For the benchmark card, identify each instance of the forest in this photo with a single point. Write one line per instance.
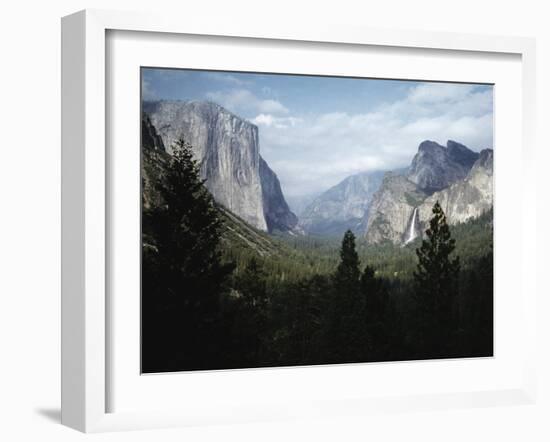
(216, 294)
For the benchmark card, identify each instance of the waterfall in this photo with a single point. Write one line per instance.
(412, 229)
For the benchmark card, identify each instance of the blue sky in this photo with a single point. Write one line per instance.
(316, 131)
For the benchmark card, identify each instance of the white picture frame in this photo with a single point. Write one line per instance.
(85, 202)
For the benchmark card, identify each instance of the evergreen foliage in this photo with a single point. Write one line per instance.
(436, 286)
(346, 335)
(217, 293)
(183, 274)
(347, 272)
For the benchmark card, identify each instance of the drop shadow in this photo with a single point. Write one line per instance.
(51, 414)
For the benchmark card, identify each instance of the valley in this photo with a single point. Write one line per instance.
(377, 205)
(233, 278)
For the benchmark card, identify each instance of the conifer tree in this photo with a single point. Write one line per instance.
(436, 286)
(347, 335)
(183, 274)
(348, 273)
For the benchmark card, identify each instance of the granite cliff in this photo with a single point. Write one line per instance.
(467, 198)
(460, 179)
(435, 167)
(278, 215)
(392, 209)
(227, 148)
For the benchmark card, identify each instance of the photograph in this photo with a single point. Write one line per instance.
(301, 220)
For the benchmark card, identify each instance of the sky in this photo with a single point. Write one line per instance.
(316, 131)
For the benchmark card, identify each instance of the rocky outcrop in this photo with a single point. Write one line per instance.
(342, 207)
(402, 207)
(227, 148)
(467, 198)
(436, 167)
(150, 139)
(278, 215)
(153, 160)
(461, 154)
(392, 209)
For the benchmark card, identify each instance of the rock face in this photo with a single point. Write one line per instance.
(392, 209)
(467, 198)
(342, 207)
(461, 154)
(153, 160)
(150, 139)
(435, 167)
(277, 214)
(227, 148)
(402, 207)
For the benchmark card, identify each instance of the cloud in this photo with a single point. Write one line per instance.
(312, 153)
(147, 91)
(430, 93)
(243, 101)
(278, 122)
(226, 79)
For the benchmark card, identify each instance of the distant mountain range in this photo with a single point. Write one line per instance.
(392, 206)
(341, 207)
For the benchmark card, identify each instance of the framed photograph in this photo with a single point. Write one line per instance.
(270, 223)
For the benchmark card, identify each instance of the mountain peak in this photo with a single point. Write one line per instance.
(435, 167)
(460, 179)
(461, 154)
(486, 156)
(429, 146)
(484, 162)
(210, 106)
(204, 107)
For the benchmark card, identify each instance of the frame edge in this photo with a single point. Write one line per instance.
(83, 185)
(73, 80)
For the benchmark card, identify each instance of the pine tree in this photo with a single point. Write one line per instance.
(436, 287)
(183, 274)
(348, 273)
(347, 335)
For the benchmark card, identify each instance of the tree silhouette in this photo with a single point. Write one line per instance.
(436, 287)
(347, 336)
(182, 272)
(348, 273)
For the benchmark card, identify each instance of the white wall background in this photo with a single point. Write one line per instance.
(30, 216)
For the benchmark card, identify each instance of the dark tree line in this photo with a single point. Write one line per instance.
(183, 277)
(203, 311)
